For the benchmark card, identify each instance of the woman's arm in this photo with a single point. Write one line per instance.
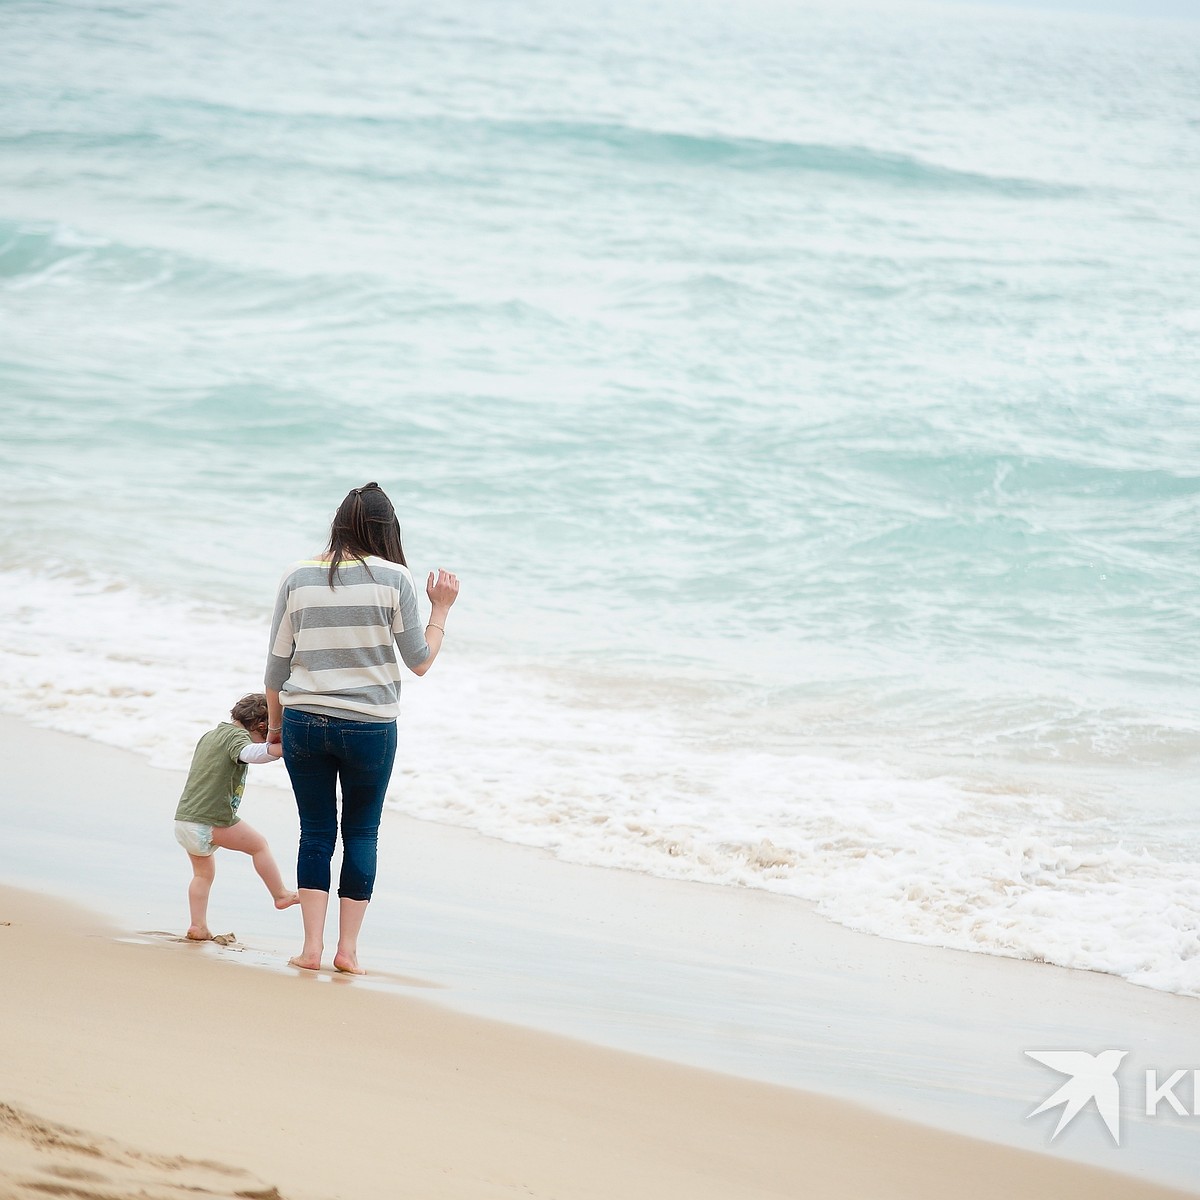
(279, 663)
(442, 591)
(274, 715)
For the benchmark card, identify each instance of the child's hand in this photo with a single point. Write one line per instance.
(275, 749)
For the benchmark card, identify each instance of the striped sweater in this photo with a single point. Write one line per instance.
(333, 650)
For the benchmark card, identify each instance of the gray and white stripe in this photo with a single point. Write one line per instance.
(333, 650)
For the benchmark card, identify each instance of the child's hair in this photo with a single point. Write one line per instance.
(251, 711)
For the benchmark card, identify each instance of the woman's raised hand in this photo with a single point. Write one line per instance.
(442, 588)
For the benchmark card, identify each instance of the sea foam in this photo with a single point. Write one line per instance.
(651, 782)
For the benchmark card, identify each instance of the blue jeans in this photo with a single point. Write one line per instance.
(318, 751)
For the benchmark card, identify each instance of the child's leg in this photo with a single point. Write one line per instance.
(203, 872)
(250, 841)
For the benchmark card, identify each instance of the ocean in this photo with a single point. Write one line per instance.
(805, 393)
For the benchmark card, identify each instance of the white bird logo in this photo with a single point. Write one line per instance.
(1093, 1077)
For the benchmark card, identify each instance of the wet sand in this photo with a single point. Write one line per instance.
(153, 1068)
(798, 1047)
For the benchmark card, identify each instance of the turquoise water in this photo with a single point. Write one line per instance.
(806, 395)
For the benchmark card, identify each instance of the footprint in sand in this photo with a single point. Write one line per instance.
(228, 940)
(42, 1158)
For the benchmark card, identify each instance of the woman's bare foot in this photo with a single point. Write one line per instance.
(287, 899)
(347, 964)
(307, 962)
(199, 933)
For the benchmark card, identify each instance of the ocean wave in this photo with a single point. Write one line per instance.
(32, 254)
(1105, 466)
(651, 779)
(201, 134)
(756, 154)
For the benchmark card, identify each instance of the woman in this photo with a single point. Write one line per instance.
(333, 689)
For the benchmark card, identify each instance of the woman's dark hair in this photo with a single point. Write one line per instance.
(365, 523)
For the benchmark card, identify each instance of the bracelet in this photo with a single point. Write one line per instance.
(435, 625)
(274, 728)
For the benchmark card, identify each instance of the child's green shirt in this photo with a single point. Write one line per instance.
(217, 778)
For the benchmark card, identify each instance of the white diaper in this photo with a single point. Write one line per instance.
(195, 839)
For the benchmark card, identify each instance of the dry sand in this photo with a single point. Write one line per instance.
(154, 1069)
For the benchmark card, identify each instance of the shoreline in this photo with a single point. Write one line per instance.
(708, 979)
(175, 1068)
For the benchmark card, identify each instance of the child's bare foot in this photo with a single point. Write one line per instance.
(287, 899)
(308, 962)
(199, 933)
(347, 964)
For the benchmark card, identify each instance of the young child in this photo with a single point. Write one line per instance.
(207, 814)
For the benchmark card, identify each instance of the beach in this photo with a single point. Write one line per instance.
(172, 1067)
(805, 395)
(134, 1060)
